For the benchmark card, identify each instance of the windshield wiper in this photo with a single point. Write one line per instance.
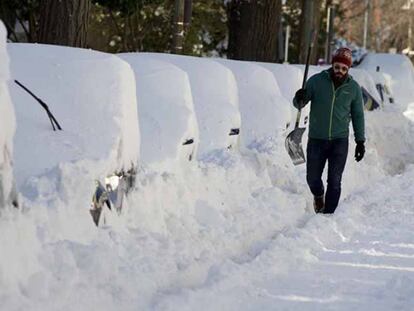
(52, 119)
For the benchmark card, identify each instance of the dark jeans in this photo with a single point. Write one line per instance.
(318, 152)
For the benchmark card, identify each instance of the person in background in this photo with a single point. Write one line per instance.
(336, 99)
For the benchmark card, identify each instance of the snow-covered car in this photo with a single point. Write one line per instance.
(289, 79)
(7, 128)
(168, 124)
(215, 98)
(370, 94)
(399, 68)
(264, 111)
(382, 82)
(91, 96)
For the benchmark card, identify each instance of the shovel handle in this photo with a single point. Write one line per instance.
(305, 75)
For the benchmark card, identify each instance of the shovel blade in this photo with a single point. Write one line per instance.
(293, 144)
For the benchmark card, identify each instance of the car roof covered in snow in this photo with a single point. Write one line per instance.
(92, 96)
(365, 79)
(288, 77)
(215, 97)
(263, 109)
(166, 112)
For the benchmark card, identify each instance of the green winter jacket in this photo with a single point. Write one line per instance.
(331, 110)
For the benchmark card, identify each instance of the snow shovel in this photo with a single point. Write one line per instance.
(293, 142)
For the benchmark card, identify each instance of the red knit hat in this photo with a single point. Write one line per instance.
(343, 56)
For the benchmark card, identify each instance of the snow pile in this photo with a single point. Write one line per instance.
(18, 241)
(264, 111)
(401, 70)
(215, 98)
(4, 64)
(92, 96)
(166, 113)
(7, 125)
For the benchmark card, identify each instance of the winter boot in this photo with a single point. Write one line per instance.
(318, 204)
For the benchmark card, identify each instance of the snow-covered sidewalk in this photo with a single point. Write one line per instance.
(261, 251)
(361, 258)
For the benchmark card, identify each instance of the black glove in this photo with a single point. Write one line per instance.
(359, 151)
(300, 97)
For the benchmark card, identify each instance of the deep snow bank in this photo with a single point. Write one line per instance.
(7, 125)
(92, 95)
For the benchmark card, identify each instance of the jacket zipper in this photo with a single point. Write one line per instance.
(332, 107)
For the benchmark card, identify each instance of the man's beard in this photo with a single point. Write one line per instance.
(339, 77)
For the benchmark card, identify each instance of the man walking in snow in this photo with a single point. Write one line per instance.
(336, 99)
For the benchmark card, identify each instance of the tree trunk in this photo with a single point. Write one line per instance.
(306, 25)
(317, 28)
(64, 22)
(309, 20)
(178, 36)
(253, 29)
(8, 16)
